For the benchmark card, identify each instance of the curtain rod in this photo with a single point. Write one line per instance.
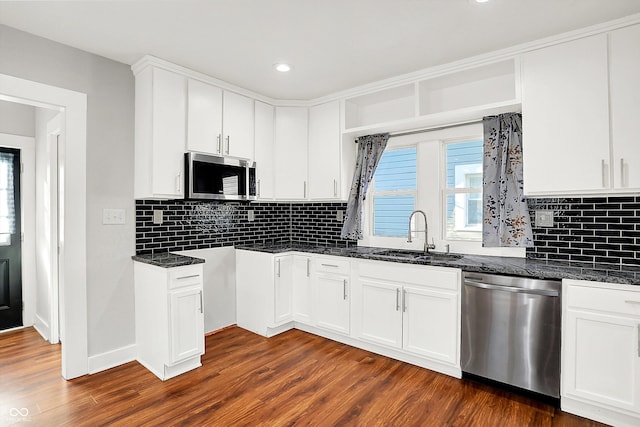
(413, 132)
(434, 128)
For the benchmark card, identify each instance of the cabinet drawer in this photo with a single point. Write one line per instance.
(332, 265)
(188, 275)
(603, 299)
(433, 277)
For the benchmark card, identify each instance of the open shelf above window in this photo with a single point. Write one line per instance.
(478, 86)
(383, 106)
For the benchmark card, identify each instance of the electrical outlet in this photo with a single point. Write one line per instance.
(158, 216)
(113, 216)
(544, 218)
(250, 216)
(339, 216)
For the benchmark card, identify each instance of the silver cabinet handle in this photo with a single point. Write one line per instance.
(329, 265)
(622, 172)
(604, 176)
(219, 143)
(305, 190)
(308, 267)
(278, 268)
(178, 181)
(513, 289)
(397, 299)
(228, 144)
(258, 189)
(201, 303)
(344, 289)
(187, 277)
(404, 300)
(629, 301)
(335, 188)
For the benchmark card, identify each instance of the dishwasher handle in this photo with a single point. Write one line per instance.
(514, 289)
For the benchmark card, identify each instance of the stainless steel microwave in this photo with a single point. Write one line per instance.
(219, 178)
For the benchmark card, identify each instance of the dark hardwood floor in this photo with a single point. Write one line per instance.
(292, 379)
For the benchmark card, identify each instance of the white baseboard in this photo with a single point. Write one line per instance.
(42, 327)
(111, 359)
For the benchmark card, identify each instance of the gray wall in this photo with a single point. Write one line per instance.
(17, 119)
(109, 86)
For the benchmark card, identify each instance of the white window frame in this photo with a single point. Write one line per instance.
(431, 168)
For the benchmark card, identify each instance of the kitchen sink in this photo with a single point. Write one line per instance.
(442, 256)
(415, 255)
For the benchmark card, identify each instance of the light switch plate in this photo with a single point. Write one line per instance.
(544, 218)
(113, 216)
(158, 216)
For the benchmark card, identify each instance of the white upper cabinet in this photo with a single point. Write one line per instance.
(237, 125)
(580, 102)
(204, 118)
(290, 153)
(624, 69)
(219, 122)
(324, 151)
(264, 145)
(160, 128)
(565, 110)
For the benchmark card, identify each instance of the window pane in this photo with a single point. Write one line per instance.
(396, 170)
(391, 215)
(464, 216)
(464, 164)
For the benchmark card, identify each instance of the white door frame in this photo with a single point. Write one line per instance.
(73, 262)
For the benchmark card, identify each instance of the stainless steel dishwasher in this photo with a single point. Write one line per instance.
(511, 331)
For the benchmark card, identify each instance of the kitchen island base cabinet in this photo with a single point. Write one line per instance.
(169, 318)
(601, 353)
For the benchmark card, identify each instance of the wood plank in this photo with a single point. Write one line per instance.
(293, 378)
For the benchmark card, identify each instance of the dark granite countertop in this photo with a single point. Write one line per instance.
(167, 260)
(482, 264)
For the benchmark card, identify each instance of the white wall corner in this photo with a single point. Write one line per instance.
(111, 359)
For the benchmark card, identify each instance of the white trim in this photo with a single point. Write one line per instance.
(41, 326)
(111, 359)
(74, 259)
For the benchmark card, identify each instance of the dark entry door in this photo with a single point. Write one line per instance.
(10, 240)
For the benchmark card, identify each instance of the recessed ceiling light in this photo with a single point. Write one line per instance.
(282, 67)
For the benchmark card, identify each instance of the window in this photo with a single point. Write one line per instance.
(463, 190)
(393, 192)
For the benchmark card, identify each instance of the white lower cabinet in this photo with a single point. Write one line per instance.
(169, 318)
(407, 307)
(330, 292)
(601, 352)
(407, 312)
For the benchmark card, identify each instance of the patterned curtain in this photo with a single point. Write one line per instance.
(7, 204)
(506, 219)
(370, 149)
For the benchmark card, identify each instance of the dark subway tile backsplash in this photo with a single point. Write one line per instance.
(199, 225)
(588, 229)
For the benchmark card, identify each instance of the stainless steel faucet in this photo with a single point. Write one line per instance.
(427, 245)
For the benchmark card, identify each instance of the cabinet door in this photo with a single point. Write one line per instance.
(169, 124)
(302, 289)
(324, 151)
(283, 290)
(186, 324)
(204, 118)
(291, 153)
(331, 302)
(237, 124)
(565, 113)
(430, 323)
(601, 359)
(264, 141)
(378, 312)
(624, 69)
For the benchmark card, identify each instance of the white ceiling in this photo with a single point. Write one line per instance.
(333, 44)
